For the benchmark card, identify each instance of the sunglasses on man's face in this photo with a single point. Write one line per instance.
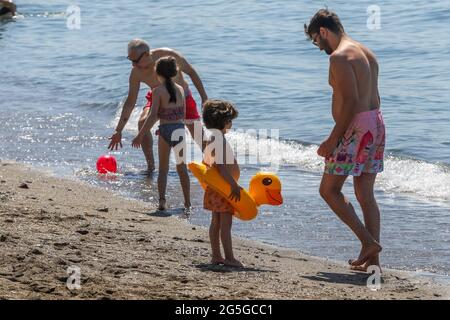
(138, 59)
(314, 41)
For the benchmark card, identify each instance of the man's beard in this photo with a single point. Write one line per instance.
(326, 46)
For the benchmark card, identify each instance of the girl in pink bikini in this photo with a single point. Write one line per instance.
(169, 107)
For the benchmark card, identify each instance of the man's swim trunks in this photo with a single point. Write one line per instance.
(361, 150)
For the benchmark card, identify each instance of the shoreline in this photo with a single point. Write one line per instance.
(126, 251)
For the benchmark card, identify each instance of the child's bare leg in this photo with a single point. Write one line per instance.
(226, 221)
(214, 238)
(164, 154)
(183, 174)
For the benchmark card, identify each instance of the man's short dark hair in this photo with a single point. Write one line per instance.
(326, 19)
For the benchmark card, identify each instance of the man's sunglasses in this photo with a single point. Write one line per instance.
(138, 59)
(314, 41)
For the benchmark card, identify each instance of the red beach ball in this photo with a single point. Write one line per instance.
(106, 164)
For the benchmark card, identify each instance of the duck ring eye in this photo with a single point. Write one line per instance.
(267, 181)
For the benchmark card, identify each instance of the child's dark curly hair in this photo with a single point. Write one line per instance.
(216, 113)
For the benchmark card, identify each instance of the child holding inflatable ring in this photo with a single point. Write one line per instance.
(217, 117)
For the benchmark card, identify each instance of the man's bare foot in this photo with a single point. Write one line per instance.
(233, 263)
(187, 211)
(371, 262)
(217, 261)
(162, 204)
(364, 267)
(367, 252)
(150, 168)
(374, 261)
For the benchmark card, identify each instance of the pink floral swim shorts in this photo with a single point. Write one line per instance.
(361, 150)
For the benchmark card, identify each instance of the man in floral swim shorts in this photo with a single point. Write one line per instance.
(356, 144)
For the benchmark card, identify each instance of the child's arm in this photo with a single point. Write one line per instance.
(226, 170)
(235, 187)
(151, 119)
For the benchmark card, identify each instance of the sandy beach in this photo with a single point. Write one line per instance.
(125, 250)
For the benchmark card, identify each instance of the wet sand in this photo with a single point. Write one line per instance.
(124, 249)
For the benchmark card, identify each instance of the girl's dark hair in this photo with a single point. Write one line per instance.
(167, 68)
(216, 113)
(326, 19)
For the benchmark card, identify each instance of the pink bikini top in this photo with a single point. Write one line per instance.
(171, 114)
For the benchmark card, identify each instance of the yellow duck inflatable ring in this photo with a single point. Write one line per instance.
(265, 188)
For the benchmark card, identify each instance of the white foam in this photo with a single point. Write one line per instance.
(412, 176)
(132, 122)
